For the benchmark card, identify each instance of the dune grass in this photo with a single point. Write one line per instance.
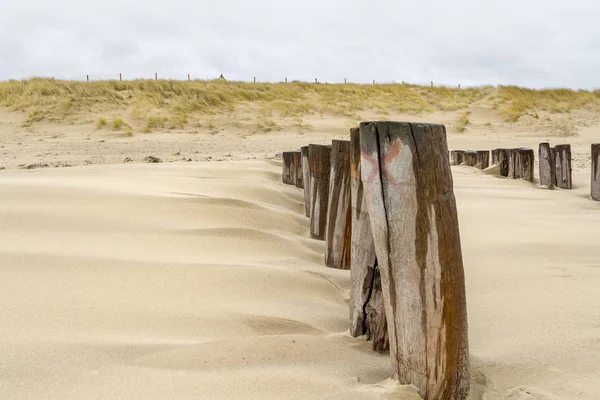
(172, 104)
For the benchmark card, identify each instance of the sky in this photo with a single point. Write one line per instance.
(531, 43)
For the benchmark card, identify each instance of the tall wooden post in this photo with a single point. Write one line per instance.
(562, 154)
(456, 157)
(306, 179)
(595, 187)
(483, 159)
(367, 312)
(412, 209)
(547, 167)
(339, 226)
(299, 181)
(288, 160)
(319, 158)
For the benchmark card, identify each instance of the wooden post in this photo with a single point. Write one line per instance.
(367, 312)
(319, 158)
(344, 80)
(547, 167)
(306, 179)
(595, 187)
(286, 80)
(373, 81)
(562, 154)
(87, 78)
(470, 158)
(412, 209)
(459, 85)
(483, 159)
(339, 228)
(156, 76)
(501, 157)
(299, 181)
(431, 83)
(316, 81)
(523, 163)
(254, 79)
(288, 160)
(120, 76)
(189, 78)
(457, 157)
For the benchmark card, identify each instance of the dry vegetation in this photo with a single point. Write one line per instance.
(154, 105)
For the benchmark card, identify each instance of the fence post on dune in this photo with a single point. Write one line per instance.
(457, 157)
(483, 159)
(412, 209)
(470, 158)
(547, 168)
(562, 154)
(595, 178)
(120, 76)
(156, 76)
(319, 158)
(87, 78)
(306, 179)
(367, 312)
(298, 174)
(338, 231)
(189, 78)
(288, 159)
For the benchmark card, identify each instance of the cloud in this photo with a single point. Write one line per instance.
(526, 42)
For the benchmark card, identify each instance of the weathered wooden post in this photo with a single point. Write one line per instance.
(501, 157)
(339, 224)
(306, 179)
(288, 160)
(367, 312)
(189, 78)
(595, 187)
(412, 209)
(547, 167)
(299, 179)
(156, 76)
(87, 78)
(524, 160)
(457, 157)
(483, 159)
(470, 158)
(120, 76)
(562, 154)
(319, 158)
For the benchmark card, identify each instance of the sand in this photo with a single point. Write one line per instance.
(197, 280)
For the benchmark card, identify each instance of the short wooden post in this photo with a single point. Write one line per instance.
(285, 80)
(344, 80)
(470, 158)
(120, 76)
(156, 76)
(595, 187)
(483, 159)
(319, 158)
(189, 78)
(412, 209)
(456, 157)
(288, 160)
(339, 227)
(523, 164)
(459, 85)
(373, 81)
(306, 179)
(547, 167)
(501, 158)
(254, 79)
(562, 154)
(431, 83)
(87, 78)
(298, 174)
(316, 81)
(367, 312)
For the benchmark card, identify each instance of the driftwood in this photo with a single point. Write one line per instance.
(339, 226)
(412, 209)
(299, 181)
(523, 164)
(319, 158)
(562, 160)
(470, 158)
(501, 158)
(306, 179)
(288, 160)
(547, 167)
(367, 312)
(456, 157)
(595, 188)
(483, 159)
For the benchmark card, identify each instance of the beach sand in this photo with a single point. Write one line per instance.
(198, 280)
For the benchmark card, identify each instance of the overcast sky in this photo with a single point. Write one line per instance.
(539, 43)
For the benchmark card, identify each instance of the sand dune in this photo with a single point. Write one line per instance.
(198, 280)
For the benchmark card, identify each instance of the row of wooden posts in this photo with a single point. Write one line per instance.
(384, 204)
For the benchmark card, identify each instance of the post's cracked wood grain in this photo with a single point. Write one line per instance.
(547, 167)
(411, 205)
(562, 159)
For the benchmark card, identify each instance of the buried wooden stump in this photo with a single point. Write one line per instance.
(547, 167)
(339, 227)
(288, 159)
(367, 311)
(319, 158)
(299, 181)
(483, 159)
(595, 187)
(562, 160)
(306, 179)
(524, 160)
(501, 158)
(456, 157)
(470, 158)
(412, 209)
